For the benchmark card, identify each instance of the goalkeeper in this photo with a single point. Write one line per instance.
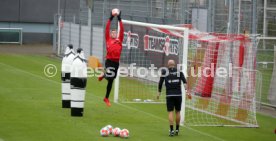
(172, 80)
(113, 49)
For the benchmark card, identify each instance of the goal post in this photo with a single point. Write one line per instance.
(184, 70)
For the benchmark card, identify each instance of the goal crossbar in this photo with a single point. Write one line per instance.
(155, 25)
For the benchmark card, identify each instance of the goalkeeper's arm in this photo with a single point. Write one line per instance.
(121, 32)
(107, 28)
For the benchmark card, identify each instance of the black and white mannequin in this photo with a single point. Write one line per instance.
(78, 83)
(67, 61)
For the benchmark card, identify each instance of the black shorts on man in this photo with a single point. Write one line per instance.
(111, 69)
(174, 102)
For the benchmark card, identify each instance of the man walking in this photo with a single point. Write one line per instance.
(172, 80)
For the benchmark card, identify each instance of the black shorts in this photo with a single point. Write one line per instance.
(111, 69)
(174, 102)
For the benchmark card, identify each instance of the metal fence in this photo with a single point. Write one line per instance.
(86, 28)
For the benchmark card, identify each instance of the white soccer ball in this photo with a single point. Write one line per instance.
(115, 12)
(104, 132)
(116, 132)
(109, 127)
(124, 133)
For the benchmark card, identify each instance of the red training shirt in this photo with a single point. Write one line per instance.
(114, 46)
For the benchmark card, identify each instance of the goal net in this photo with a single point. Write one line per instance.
(219, 68)
(223, 81)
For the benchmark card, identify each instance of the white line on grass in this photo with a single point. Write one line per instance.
(129, 107)
(26, 72)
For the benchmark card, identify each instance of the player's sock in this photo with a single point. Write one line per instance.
(177, 127)
(176, 130)
(171, 127)
(171, 133)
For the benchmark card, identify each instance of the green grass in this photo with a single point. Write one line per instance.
(30, 110)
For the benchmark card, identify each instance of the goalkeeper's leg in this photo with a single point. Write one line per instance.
(110, 75)
(108, 88)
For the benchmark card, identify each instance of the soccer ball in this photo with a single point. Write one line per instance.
(104, 132)
(115, 12)
(124, 133)
(116, 132)
(109, 127)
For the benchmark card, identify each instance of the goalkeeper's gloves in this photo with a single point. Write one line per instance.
(111, 16)
(119, 16)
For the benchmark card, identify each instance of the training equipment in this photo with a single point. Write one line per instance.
(78, 83)
(66, 65)
(116, 132)
(104, 132)
(124, 133)
(115, 11)
(109, 127)
(225, 92)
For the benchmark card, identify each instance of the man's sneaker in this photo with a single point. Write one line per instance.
(176, 132)
(106, 100)
(171, 133)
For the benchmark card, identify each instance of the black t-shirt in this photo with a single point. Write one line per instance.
(172, 81)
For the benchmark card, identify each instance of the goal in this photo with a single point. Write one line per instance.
(147, 46)
(220, 70)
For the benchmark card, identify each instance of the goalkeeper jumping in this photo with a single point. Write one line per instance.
(113, 49)
(173, 93)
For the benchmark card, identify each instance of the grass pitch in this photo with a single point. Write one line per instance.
(30, 110)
